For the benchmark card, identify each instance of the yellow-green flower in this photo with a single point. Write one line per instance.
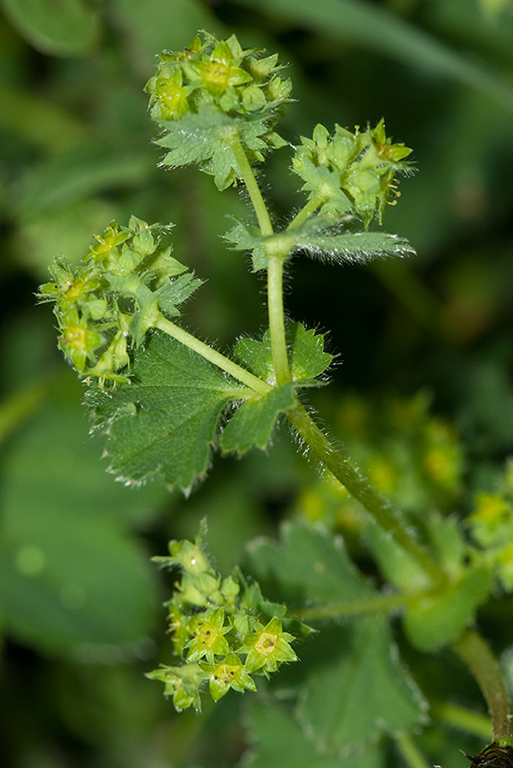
(267, 648)
(77, 340)
(229, 673)
(208, 636)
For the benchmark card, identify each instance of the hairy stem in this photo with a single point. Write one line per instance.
(275, 267)
(277, 318)
(341, 467)
(473, 649)
(309, 207)
(248, 177)
(241, 374)
(378, 604)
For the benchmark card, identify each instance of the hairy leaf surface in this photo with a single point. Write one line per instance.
(166, 421)
(337, 241)
(253, 422)
(204, 138)
(306, 354)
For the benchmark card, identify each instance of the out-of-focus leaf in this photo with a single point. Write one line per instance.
(279, 741)
(38, 120)
(437, 620)
(373, 27)
(83, 171)
(41, 239)
(309, 567)
(360, 692)
(156, 25)
(70, 573)
(56, 27)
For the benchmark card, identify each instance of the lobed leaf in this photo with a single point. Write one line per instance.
(205, 137)
(306, 354)
(253, 422)
(321, 237)
(164, 423)
(311, 568)
(308, 567)
(361, 689)
(279, 741)
(439, 619)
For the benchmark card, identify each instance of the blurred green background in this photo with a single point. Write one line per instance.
(80, 603)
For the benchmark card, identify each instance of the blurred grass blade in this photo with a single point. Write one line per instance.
(370, 26)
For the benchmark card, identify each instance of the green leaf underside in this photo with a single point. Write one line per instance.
(440, 619)
(321, 238)
(50, 596)
(309, 566)
(306, 353)
(253, 422)
(204, 138)
(166, 421)
(377, 695)
(280, 742)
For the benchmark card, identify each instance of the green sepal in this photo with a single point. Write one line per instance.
(229, 673)
(307, 357)
(253, 422)
(166, 421)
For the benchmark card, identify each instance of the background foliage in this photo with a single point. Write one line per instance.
(424, 347)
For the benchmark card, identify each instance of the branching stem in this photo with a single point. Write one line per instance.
(241, 374)
(276, 258)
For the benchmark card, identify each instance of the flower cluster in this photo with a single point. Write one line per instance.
(218, 74)
(214, 98)
(350, 171)
(491, 526)
(120, 289)
(223, 630)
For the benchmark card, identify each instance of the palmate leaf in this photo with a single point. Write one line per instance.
(322, 238)
(253, 422)
(204, 138)
(355, 686)
(165, 422)
(279, 741)
(306, 354)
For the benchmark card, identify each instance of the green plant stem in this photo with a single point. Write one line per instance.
(409, 751)
(473, 649)
(248, 177)
(309, 207)
(341, 467)
(276, 312)
(378, 604)
(276, 258)
(462, 718)
(257, 385)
